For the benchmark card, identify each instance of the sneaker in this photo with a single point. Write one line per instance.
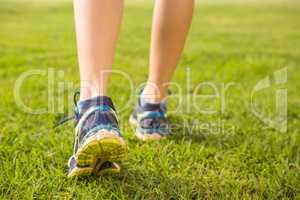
(150, 121)
(97, 137)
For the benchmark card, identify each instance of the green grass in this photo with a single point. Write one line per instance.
(246, 159)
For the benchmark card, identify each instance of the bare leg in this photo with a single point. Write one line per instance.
(172, 19)
(97, 27)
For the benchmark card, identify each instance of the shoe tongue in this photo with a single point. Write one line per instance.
(84, 105)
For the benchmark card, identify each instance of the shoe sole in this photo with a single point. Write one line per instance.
(88, 171)
(101, 147)
(144, 136)
(109, 170)
(81, 172)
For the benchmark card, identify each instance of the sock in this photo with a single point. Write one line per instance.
(144, 101)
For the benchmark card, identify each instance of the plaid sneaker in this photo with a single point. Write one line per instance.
(97, 138)
(150, 121)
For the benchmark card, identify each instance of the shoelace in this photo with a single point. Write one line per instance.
(68, 118)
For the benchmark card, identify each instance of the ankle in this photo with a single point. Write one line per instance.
(86, 93)
(154, 93)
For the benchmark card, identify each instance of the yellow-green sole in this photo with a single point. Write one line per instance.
(88, 171)
(102, 146)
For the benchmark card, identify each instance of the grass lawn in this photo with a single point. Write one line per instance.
(227, 153)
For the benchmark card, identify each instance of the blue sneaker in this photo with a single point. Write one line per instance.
(98, 140)
(150, 121)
